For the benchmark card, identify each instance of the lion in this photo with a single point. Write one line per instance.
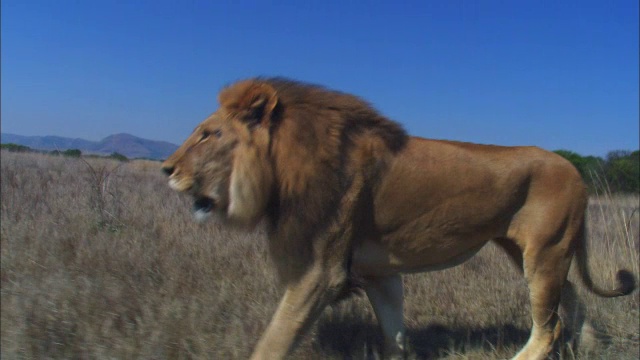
(346, 193)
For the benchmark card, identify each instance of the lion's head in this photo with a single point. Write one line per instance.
(222, 163)
(278, 146)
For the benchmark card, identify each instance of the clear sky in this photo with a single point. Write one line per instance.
(557, 74)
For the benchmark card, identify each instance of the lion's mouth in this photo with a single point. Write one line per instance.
(202, 207)
(203, 204)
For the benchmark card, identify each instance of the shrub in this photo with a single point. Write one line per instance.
(72, 153)
(118, 156)
(619, 172)
(15, 147)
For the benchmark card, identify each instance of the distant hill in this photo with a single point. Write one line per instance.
(125, 144)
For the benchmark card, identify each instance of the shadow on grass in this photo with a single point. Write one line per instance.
(350, 338)
(437, 339)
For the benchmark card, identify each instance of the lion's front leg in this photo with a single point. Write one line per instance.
(386, 297)
(301, 304)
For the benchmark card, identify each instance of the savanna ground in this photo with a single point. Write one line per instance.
(101, 259)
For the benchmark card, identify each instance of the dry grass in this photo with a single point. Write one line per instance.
(102, 260)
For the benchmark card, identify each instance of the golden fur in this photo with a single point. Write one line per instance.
(346, 193)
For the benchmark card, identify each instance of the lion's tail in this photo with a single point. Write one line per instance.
(626, 282)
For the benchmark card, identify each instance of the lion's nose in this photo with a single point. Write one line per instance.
(168, 169)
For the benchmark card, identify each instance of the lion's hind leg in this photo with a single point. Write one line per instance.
(544, 293)
(546, 258)
(573, 310)
(576, 326)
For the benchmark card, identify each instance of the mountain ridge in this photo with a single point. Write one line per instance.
(128, 145)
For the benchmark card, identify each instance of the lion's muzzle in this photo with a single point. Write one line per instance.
(168, 169)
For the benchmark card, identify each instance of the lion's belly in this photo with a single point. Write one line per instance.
(372, 258)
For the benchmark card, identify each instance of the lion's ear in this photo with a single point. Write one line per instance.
(254, 102)
(263, 102)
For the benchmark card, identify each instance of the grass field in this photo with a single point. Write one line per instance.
(101, 259)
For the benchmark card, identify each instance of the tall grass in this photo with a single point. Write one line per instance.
(100, 259)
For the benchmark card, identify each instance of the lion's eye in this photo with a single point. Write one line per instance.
(206, 134)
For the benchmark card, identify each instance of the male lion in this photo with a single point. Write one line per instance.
(346, 194)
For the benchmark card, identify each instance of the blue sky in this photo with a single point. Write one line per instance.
(557, 74)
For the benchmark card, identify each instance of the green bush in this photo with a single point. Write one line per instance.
(619, 172)
(622, 170)
(72, 153)
(118, 156)
(15, 147)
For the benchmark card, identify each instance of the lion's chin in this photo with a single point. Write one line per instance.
(201, 216)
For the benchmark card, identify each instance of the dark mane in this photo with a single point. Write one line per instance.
(357, 114)
(321, 143)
